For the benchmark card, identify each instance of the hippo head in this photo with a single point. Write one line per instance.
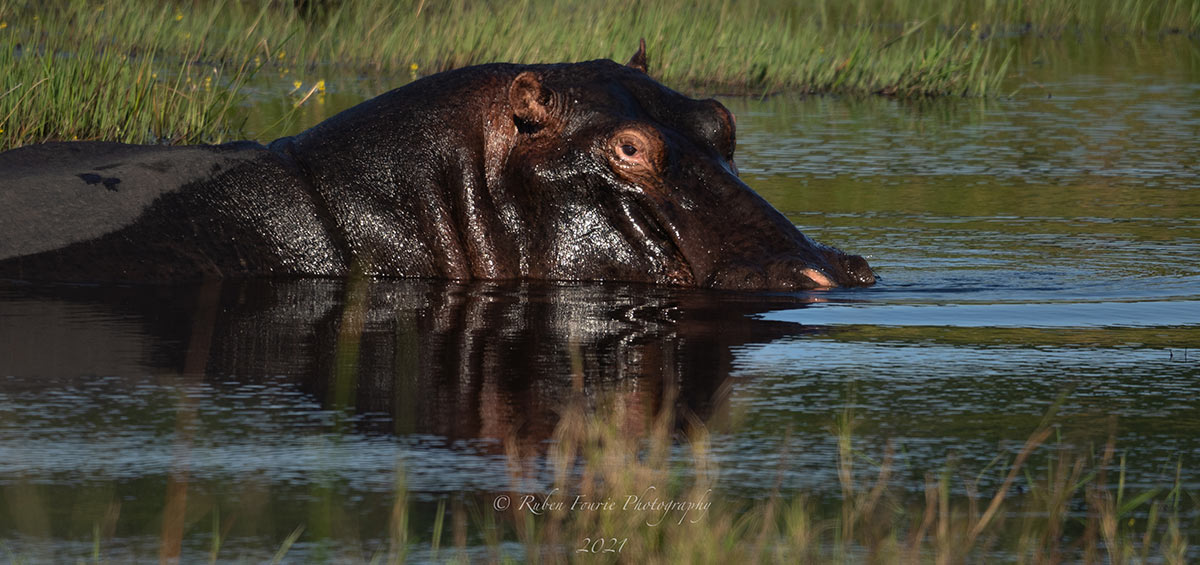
(633, 181)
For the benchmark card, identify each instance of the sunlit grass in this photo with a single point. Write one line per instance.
(755, 46)
(57, 87)
(171, 72)
(825, 45)
(1044, 17)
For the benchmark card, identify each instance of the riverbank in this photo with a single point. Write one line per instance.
(172, 72)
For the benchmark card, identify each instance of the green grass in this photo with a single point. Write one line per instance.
(140, 71)
(58, 87)
(1043, 17)
(752, 45)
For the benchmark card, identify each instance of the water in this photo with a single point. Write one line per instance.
(1035, 254)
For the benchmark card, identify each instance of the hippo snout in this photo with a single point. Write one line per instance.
(850, 270)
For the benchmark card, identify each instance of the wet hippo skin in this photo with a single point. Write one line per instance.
(584, 172)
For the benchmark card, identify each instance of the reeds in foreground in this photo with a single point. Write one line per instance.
(625, 485)
(1045, 505)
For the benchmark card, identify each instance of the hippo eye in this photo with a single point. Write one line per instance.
(636, 148)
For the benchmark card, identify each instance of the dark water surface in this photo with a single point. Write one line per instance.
(1032, 252)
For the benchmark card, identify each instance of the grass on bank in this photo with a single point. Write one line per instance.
(770, 44)
(63, 88)
(1038, 18)
(147, 71)
(757, 45)
(143, 71)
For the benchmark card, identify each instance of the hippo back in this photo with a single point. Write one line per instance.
(56, 194)
(111, 211)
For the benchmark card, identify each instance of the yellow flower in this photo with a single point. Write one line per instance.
(974, 26)
(178, 16)
(1, 130)
(296, 85)
(281, 54)
(3, 25)
(321, 86)
(413, 67)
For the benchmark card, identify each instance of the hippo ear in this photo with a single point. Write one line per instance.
(530, 102)
(638, 60)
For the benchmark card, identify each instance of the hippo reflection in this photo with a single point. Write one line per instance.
(574, 172)
(455, 360)
(485, 360)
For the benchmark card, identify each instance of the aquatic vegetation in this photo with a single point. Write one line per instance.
(1041, 502)
(625, 483)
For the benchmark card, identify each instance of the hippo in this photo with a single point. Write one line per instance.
(589, 171)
